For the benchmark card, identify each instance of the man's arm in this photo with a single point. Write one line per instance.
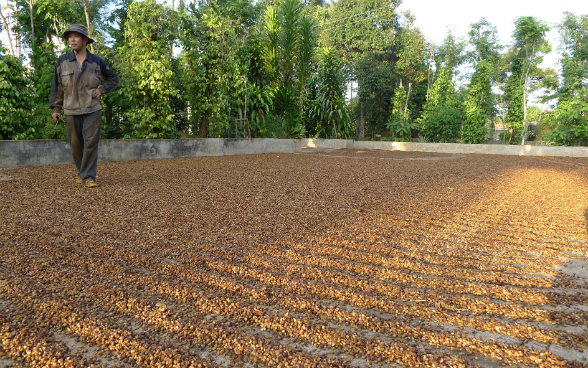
(111, 78)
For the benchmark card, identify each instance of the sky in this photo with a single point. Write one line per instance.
(433, 17)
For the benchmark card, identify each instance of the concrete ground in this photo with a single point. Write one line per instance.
(322, 258)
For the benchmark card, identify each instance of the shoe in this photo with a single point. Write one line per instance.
(90, 184)
(79, 180)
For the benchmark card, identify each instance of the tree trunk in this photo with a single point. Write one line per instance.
(32, 23)
(361, 128)
(240, 119)
(171, 45)
(524, 114)
(407, 98)
(204, 128)
(86, 6)
(7, 31)
(429, 79)
(247, 120)
(525, 85)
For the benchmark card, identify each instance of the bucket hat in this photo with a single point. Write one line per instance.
(79, 28)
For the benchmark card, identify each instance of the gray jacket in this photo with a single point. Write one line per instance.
(73, 87)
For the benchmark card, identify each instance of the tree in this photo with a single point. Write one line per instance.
(288, 45)
(399, 124)
(410, 49)
(330, 108)
(571, 113)
(376, 75)
(210, 68)
(16, 101)
(483, 37)
(146, 70)
(477, 104)
(361, 31)
(514, 98)
(451, 52)
(442, 115)
(529, 35)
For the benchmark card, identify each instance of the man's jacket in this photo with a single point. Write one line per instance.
(73, 87)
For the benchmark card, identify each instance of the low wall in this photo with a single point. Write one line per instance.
(487, 149)
(53, 152)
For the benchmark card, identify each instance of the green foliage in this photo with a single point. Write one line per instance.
(16, 100)
(400, 124)
(514, 96)
(271, 34)
(451, 52)
(288, 45)
(212, 74)
(146, 70)
(308, 42)
(478, 104)
(442, 114)
(529, 32)
(570, 118)
(375, 79)
(329, 109)
(258, 107)
(484, 37)
(356, 27)
(409, 46)
(236, 59)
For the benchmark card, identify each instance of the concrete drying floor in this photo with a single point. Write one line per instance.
(336, 258)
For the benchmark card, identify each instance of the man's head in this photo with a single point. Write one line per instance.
(77, 41)
(77, 36)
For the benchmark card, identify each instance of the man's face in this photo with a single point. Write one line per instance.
(77, 41)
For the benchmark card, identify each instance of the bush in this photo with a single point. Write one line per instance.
(16, 100)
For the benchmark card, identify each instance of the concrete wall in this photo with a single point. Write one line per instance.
(487, 149)
(52, 152)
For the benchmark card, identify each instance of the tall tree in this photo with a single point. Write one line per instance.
(358, 30)
(330, 109)
(442, 114)
(288, 48)
(210, 69)
(571, 113)
(483, 36)
(409, 49)
(530, 41)
(15, 100)
(146, 70)
(478, 102)
(399, 123)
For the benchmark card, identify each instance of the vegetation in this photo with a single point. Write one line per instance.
(286, 68)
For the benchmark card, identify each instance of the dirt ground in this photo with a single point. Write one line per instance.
(317, 259)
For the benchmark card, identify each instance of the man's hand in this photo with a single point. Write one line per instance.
(97, 93)
(56, 116)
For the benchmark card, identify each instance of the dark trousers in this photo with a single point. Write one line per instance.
(83, 134)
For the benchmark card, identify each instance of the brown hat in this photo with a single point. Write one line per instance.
(79, 28)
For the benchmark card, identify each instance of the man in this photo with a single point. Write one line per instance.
(75, 88)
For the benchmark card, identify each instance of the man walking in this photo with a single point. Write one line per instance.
(75, 88)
